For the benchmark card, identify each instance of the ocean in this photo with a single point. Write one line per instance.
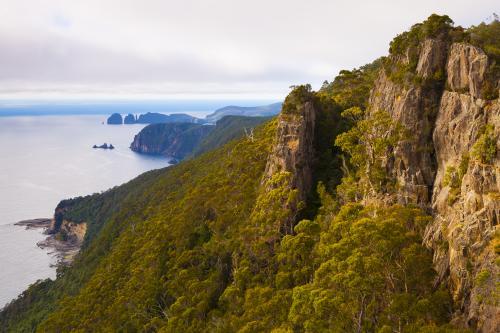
(44, 159)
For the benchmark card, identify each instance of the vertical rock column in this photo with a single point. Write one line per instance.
(414, 106)
(466, 209)
(293, 152)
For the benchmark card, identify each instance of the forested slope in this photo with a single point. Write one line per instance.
(340, 215)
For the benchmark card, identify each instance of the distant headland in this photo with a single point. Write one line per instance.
(160, 118)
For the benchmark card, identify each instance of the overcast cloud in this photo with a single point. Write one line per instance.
(198, 48)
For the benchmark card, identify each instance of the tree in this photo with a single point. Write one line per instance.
(369, 144)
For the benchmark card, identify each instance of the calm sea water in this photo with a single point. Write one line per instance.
(44, 159)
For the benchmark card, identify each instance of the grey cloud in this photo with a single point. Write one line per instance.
(126, 46)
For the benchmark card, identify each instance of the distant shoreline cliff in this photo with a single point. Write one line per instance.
(212, 118)
(179, 140)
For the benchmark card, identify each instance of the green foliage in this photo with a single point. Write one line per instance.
(226, 129)
(328, 166)
(481, 278)
(371, 269)
(354, 114)
(484, 149)
(434, 26)
(274, 206)
(209, 245)
(368, 145)
(170, 139)
(352, 88)
(296, 99)
(453, 178)
(405, 48)
(487, 37)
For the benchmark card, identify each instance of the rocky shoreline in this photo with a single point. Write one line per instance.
(35, 223)
(64, 250)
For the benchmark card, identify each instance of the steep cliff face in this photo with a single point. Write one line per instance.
(293, 152)
(465, 200)
(441, 106)
(415, 106)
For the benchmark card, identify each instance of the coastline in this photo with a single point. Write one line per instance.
(64, 250)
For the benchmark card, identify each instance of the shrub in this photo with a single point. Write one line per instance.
(481, 278)
(484, 149)
(296, 98)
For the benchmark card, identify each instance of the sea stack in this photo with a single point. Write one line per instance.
(115, 119)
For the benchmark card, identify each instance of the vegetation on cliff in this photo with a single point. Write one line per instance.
(216, 244)
(170, 139)
(226, 129)
(181, 140)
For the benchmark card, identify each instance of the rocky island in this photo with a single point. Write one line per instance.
(104, 146)
(152, 118)
(212, 118)
(130, 119)
(115, 119)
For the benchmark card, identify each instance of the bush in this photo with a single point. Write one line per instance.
(484, 149)
(296, 98)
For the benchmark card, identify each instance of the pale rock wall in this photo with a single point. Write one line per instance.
(444, 122)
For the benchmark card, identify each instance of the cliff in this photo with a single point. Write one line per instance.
(170, 139)
(465, 197)
(441, 102)
(399, 236)
(293, 152)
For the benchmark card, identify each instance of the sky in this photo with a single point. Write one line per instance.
(198, 49)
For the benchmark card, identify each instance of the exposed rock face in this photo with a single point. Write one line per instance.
(66, 242)
(466, 67)
(432, 57)
(415, 107)
(444, 126)
(466, 222)
(293, 151)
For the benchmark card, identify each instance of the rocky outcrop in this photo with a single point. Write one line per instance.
(66, 242)
(129, 119)
(441, 106)
(467, 212)
(294, 150)
(293, 153)
(466, 69)
(415, 106)
(432, 57)
(115, 119)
